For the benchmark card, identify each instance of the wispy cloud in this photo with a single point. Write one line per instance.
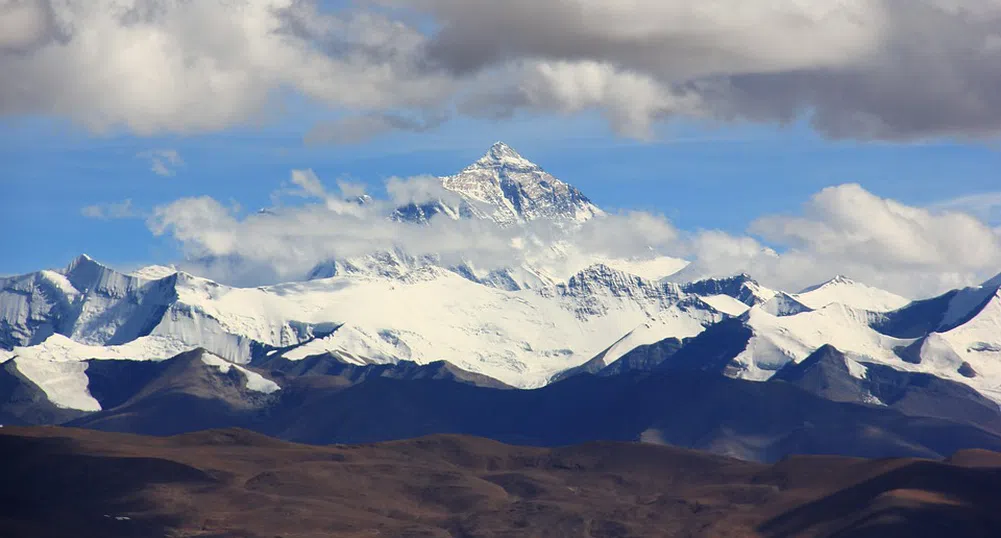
(985, 206)
(163, 162)
(112, 210)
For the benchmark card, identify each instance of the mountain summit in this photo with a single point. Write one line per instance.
(509, 189)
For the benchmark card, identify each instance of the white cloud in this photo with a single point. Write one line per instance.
(166, 66)
(848, 230)
(162, 162)
(286, 241)
(841, 230)
(985, 206)
(887, 69)
(109, 211)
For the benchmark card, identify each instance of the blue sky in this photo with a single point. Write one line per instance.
(792, 142)
(698, 177)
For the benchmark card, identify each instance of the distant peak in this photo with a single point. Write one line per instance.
(503, 155)
(80, 260)
(841, 279)
(836, 281)
(501, 148)
(994, 282)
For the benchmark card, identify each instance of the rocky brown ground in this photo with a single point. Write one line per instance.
(232, 483)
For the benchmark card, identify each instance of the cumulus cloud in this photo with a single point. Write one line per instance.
(864, 69)
(848, 230)
(162, 162)
(286, 241)
(112, 210)
(841, 230)
(174, 66)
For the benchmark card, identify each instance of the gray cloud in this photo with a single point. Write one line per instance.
(863, 69)
(882, 69)
(355, 129)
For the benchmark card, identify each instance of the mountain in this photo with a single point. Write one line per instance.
(834, 376)
(758, 345)
(112, 350)
(783, 304)
(89, 310)
(192, 391)
(506, 189)
(22, 402)
(843, 290)
(54, 320)
(520, 337)
(86, 301)
(321, 401)
(509, 189)
(236, 483)
(740, 287)
(330, 365)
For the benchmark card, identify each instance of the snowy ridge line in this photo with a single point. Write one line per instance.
(520, 325)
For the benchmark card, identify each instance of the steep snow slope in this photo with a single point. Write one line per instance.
(758, 344)
(740, 287)
(783, 304)
(938, 314)
(91, 304)
(852, 294)
(777, 340)
(970, 352)
(521, 338)
(64, 383)
(86, 301)
(64, 376)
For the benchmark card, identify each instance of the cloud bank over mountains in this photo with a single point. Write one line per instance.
(840, 230)
(860, 69)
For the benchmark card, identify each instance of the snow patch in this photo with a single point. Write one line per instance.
(852, 294)
(65, 383)
(856, 369)
(726, 304)
(254, 381)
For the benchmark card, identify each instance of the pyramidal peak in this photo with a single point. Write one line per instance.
(509, 189)
(83, 263)
(501, 155)
(79, 260)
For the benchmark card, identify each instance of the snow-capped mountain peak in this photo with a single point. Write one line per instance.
(839, 280)
(741, 287)
(501, 155)
(848, 292)
(510, 189)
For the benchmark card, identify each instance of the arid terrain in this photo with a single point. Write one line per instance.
(62, 482)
